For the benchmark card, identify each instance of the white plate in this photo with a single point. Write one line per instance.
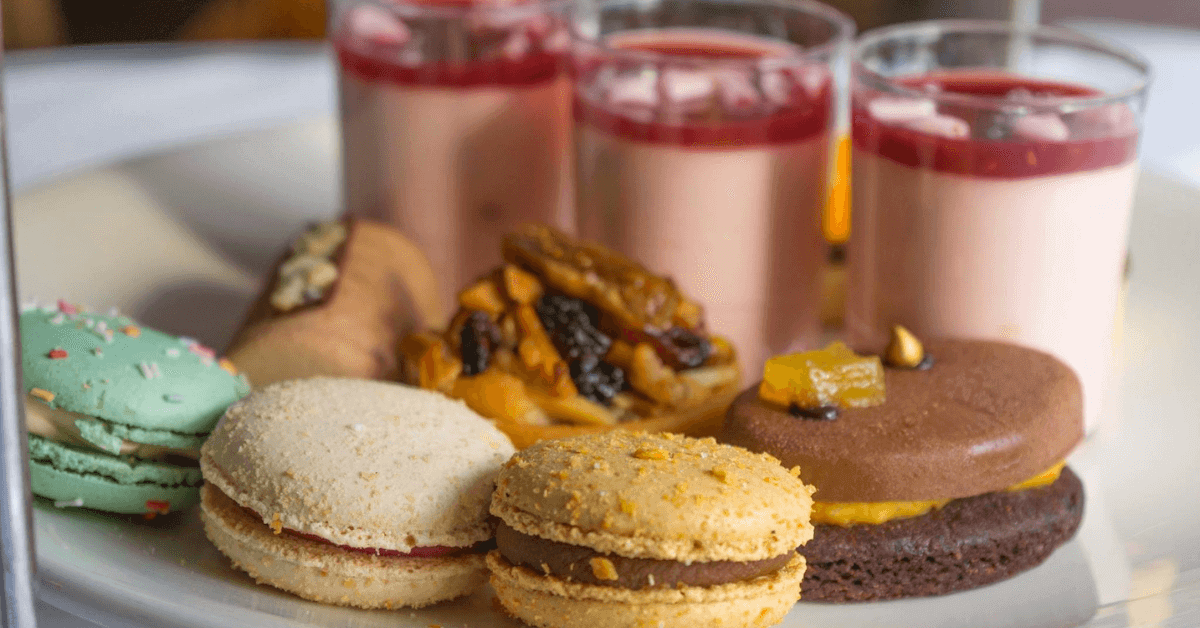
(180, 241)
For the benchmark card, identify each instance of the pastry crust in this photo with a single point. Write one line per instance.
(549, 602)
(385, 289)
(325, 573)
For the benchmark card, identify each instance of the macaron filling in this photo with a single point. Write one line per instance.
(435, 551)
(88, 432)
(850, 513)
(585, 565)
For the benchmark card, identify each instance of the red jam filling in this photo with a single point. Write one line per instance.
(434, 551)
(1094, 142)
(790, 113)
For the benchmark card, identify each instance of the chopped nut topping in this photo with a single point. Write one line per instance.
(904, 350)
(427, 362)
(651, 453)
(484, 296)
(620, 287)
(520, 286)
(603, 568)
(308, 274)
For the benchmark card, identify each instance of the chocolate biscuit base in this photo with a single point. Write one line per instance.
(967, 543)
(548, 602)
(385, 289)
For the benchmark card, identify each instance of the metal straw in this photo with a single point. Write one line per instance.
(16, 515)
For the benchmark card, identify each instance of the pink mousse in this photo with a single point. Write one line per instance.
(712, 172)
(1018, 236)
(457, 153)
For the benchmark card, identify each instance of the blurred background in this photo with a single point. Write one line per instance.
(34, 23)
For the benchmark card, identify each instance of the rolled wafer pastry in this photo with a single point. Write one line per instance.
(336, 304)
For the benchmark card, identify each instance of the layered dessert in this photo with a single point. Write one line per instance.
(567, 337)
(937, 468)
(980, 210)
(703, 154)
(456, 124)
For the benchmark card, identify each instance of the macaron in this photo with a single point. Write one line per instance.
(632, 529)
(353, 492)
(116, 411)
(954, 481)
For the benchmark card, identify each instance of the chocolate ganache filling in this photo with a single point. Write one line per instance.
(573, 562)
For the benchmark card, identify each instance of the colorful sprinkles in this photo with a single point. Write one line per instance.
(43, 394)
(67, 308)
(150, 370)
(133, 331)
(58, 353)
(69, 503)
(228, 366)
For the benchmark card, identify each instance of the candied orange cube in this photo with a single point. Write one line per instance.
(833, 376)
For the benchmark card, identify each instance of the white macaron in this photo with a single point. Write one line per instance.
(353, 492)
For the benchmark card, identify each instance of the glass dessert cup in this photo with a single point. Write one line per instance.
(456, 123)
(994, 166)
(704, 131)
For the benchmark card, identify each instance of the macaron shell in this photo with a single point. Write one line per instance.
(549, 602)
(361, 463)
(186, 396)
(986, 416)
(325, 573)
(655, 496)
(106, 482)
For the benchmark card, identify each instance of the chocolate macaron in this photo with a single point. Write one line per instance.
(955, 480)
(631, 529)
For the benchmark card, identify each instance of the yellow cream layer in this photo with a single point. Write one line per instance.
(848, 513)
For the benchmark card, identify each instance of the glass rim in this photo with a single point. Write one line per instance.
(1059, 34)
(456, 10)
(843, 34)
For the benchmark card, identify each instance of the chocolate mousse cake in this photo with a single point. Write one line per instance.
(951, 478)
(623, 530)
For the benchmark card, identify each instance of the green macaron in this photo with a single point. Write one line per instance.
(117, 412)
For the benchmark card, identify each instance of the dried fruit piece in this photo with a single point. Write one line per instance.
(600, 384)
(833, 376)
(428, 362)
(520, 286)
(483, 296)
(499, 395)
(476, 340)
(570, 326)
(679, 347)
(621, 288)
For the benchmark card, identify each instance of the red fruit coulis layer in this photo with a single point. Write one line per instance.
(535, 68)
(973, 156)
(803, 117)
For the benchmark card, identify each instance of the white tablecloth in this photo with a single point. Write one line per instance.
(74, 108)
